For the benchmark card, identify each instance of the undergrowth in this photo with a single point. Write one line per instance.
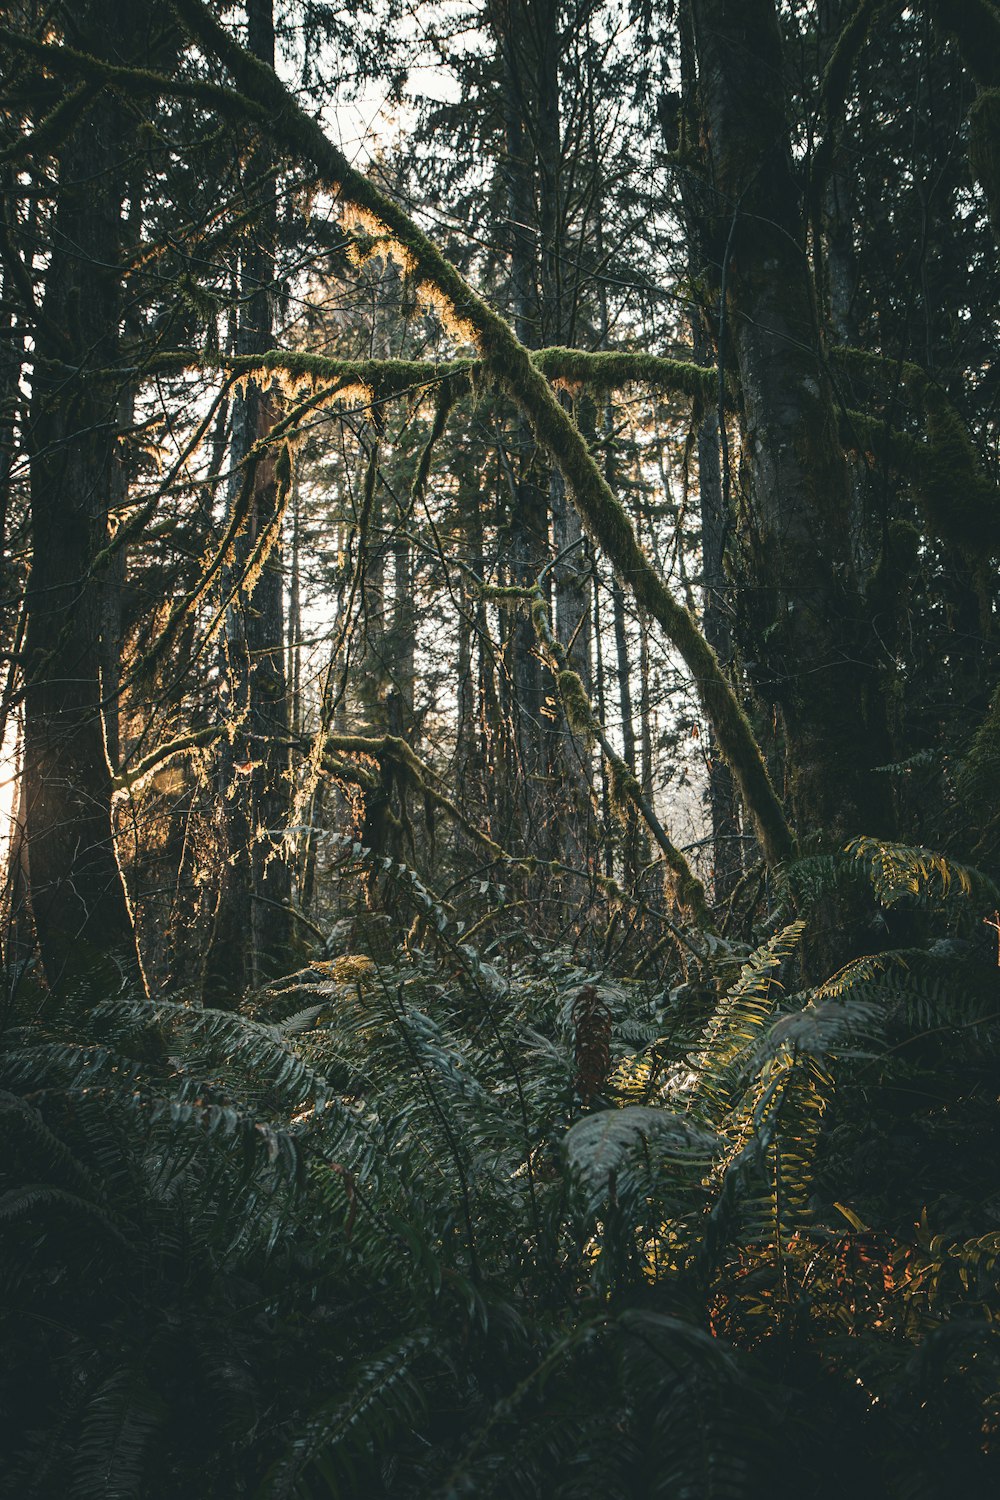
(429, 1224)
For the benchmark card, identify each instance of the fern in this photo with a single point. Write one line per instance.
(120, 1419)
(907, 873)
(383, 1393)
(370, 1239)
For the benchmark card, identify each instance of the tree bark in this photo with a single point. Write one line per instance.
(78, 898)
(803, 603)
(252, 926)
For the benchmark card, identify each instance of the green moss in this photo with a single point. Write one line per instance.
(579, 714)
(512, 595)
(605, 372)
(510, 364)
(622, 787)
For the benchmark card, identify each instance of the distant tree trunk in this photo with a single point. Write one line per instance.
(715, 512)
(600, 702)
(252, 923)
(807, 618)
(18, 936)
(624, 672)
(571, 575)
(12, 355)
(77, 895)
(645, 710)
(404, 620)
(529, 521)
(294, 673)
(723, 799)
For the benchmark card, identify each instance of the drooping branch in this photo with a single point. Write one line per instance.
(506, 360)
(129, 776)
(582, 719)
(391, 749)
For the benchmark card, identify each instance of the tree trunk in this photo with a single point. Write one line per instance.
(78, 899)
(804, 609)
(252, 921)
(529, 521)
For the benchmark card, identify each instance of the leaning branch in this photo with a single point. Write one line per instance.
(506, 360)
(580, 715)
(129, 777)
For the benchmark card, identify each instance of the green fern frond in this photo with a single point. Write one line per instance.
(598, 1145)
(120, 1420)
(26, 1201)
(738, 1022)
(905, 872)
(46, 1148)
(383, 1400)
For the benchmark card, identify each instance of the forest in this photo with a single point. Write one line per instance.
(499, 749)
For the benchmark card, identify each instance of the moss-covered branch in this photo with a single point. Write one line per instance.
(51, 131)
(505, 360)
(390, 748)
(602, 373)
(129, 777)
(384, 379)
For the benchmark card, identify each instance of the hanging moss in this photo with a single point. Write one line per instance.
(511, 594)
(579, 714)
(622, 787)
(506, 359)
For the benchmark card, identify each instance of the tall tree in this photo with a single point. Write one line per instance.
(802, 597)
(252, 924)
(77, 894)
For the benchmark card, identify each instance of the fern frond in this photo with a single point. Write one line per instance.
(383, 1399)
(736, 1026)
(25, 1201)
(905, 872)
(119, 1422)
(598, 1145)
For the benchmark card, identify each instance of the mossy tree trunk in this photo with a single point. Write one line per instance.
(529, 519)
(802, 603)
(78, 899)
